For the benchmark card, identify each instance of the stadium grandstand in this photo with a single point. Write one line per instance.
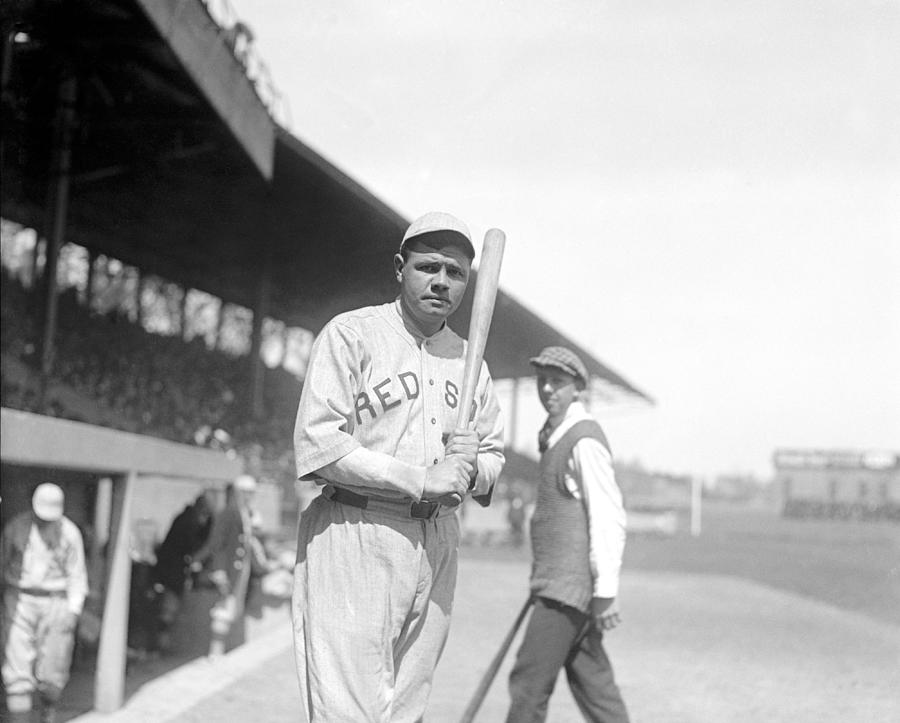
(169, 251)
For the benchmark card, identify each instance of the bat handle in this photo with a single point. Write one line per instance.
(463, 419)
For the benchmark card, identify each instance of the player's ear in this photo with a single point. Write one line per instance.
(398, 267)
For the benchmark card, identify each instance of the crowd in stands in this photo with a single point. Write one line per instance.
(117, 374)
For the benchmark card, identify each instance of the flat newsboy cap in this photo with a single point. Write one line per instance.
(435, 224)
(47, 502)
(561, 358)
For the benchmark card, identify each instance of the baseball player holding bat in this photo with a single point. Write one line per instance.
(577, 539)
(377, 427)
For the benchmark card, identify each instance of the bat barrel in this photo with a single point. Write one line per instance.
(486, 287)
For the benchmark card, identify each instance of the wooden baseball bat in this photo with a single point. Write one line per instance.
(486, 286)
(481, 693)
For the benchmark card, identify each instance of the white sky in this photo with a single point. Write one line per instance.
(704, 194)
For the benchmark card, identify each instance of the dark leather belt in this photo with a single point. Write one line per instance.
(40, 593)
(408, 508)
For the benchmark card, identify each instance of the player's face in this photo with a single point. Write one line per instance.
(556, 389)
(432, 283)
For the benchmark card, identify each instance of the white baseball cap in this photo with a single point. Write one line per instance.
(47, 502)
(440, 224)
(245, 483)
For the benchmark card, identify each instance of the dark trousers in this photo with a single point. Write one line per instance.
(559, 637)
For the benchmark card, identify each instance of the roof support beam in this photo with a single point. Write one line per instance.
(197, 41)
(260, 310)
(58, 205)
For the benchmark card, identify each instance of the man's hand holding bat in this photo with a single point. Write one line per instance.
(461, 447)
(447, 481)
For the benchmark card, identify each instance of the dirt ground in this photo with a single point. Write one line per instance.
(692, 649)
(758, 620)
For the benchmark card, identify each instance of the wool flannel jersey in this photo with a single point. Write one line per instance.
(30, 562)
(376, 390)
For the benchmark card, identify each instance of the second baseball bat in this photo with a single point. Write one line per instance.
(486, 286)
(491, 673)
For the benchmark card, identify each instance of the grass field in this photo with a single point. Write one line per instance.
(851, 565)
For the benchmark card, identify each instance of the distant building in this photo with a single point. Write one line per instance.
(839, 484)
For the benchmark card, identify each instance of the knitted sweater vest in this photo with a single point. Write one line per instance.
(561, 569)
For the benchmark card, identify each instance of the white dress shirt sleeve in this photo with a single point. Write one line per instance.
(592, 468)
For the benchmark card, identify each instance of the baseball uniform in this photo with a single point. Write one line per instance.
(45, 580)
(376, 567)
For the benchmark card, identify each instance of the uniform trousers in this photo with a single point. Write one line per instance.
(371, 607)
(38, 640)
(557, 637)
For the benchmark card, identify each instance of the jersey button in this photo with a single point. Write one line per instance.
(435, 460)
(431, 382)
(433, 420)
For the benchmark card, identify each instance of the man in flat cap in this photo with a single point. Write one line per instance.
(577, 537)
(45, 585)
(376, 429)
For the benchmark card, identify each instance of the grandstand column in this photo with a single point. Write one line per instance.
(285, 337)
(257, 367)
(57, 211)
(220, 320)
(109, 684)
(138, 296)
(89, 281)
(36, 261)
(183, 313)
(7, 37)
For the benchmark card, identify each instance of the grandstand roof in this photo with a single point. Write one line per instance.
(168, 175)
